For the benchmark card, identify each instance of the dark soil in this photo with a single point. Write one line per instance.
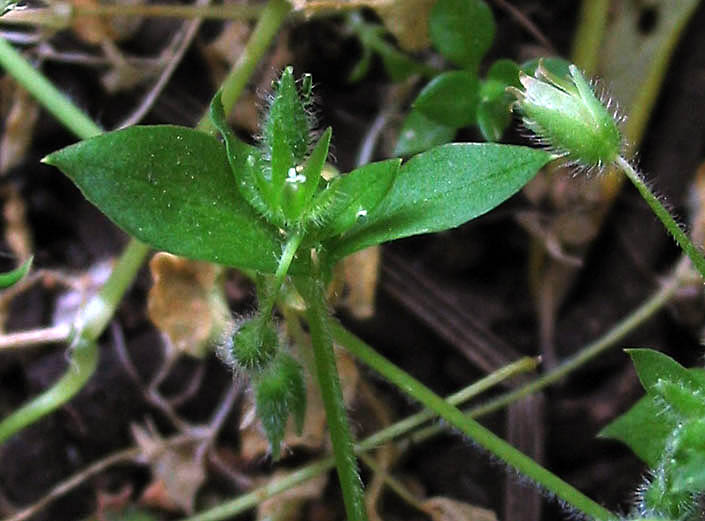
(450, 307)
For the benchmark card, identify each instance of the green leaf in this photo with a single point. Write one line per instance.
(450, 98)
(279, 391)
(645, 429)
(12, 277)
(418, 133)
(462, 30)
(443, 188)
(172, 188)
(300, 189)
(245, 163)
(688, 463)
(494, 110)
(287, 116)
(399, 66)
(653, 366)
(355, 195)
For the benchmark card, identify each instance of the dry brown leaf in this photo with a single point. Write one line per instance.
(361, 272)
(94, 29)
(177, 471)
(19, 124)
(287, 506)
(187, 302)
(407, 20)
(254, 442)
(17, 232)
(447, 509)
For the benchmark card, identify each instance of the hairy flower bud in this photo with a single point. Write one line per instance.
(566, 115)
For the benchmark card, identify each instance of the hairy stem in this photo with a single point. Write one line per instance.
(664, 215)
(290, 248)
(329, 384)
(401, 428)
(479, 434)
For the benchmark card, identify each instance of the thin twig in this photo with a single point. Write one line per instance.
(177, 48)
(35, 337)
(526, 22)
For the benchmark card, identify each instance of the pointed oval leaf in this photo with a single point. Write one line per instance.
(172, 188)
(645, 428)
(653, 366)
(462, 30)
(450, 98)
(444, 188)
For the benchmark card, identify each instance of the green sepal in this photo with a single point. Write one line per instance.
(287, 116)
(687, 465)
(280, 391)
(299, 191)
(255, 344)
(245, 162)
(12, 277)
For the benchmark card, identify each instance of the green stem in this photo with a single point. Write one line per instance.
(290, 249)
(664, 215)
(267, 27)
(589, 35)
(256, 496)
(84, 350)
(587, 353)
(329, 384)
(44, 91)
(482, 436)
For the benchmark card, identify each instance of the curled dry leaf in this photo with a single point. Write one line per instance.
(288, 505)
(177, 471)
(447, 509)
(187, 302)
(20, 119)
(254, 442)
(407, 20)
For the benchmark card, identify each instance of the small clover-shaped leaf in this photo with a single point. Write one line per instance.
(494, 110)
(419, 133)
(450, 98)
(462, 30)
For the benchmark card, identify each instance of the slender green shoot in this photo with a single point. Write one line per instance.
(479, 434)
(664, 215)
